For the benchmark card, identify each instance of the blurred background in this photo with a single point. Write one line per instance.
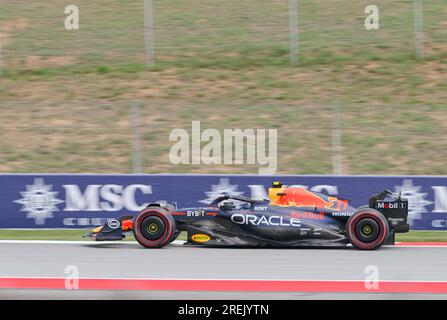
(103, 99)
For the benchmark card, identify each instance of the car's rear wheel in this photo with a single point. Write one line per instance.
(154, 227)
(367, 229)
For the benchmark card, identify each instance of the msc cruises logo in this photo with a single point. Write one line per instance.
(416, 200)
(39, 201)
(224, 187)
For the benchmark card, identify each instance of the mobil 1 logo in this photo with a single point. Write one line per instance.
(391, 205)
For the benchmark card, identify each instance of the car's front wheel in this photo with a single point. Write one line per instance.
(367, 229)
(154, 227)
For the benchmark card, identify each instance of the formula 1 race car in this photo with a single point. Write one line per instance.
(292, 217)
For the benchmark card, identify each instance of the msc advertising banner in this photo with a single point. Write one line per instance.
(82, 201)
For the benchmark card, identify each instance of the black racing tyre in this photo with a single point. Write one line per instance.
(154, 227)
(176, 234)
(367, 229)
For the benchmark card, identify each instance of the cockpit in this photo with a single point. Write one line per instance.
(227, 202)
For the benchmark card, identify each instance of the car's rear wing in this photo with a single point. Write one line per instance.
(394, 208)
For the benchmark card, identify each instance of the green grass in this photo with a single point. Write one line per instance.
(55, 234)
(97, 138)
(60, 234)
(222, 34)
(422, 236)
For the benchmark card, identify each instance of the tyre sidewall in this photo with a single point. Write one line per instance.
(378, 217)
(168, 233)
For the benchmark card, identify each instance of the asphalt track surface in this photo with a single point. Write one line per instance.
(128, 260)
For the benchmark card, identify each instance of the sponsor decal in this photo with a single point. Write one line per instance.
(390, 205)
(107, 197)
(56, 201)
(396, 221)
(195, 213)
(439, 223)
(416, 199)
(307, 215)
(224, 187)
(113, 224)
(200, 237)
(264, 208)
(39, 201)
(300, 197)
(341, 214)
(255, 220)
(83, 222)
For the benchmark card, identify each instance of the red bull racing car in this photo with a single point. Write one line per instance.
(291, 217)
